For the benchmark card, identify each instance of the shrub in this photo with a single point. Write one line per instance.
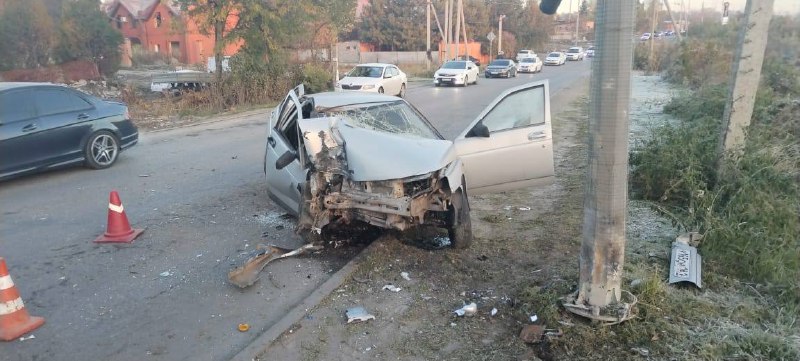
(316, 78)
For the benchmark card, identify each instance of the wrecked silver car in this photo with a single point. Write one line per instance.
(343, 157)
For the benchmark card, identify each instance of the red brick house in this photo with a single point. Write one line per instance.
(160, 26)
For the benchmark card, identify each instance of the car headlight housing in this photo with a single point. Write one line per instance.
(368, 86)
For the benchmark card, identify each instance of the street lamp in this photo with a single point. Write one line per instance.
(500, 36)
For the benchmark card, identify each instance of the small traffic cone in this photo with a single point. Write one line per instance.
(118, 229)
(14, 319)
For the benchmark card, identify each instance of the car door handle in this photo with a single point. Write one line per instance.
(271, 141)
(536, 135)
(82, 116)
(29, 127)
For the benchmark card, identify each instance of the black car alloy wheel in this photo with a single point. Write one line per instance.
(101, 150)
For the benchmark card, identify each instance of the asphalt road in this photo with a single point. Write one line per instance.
(199, 192)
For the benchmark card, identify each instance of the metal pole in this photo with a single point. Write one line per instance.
(746, 74)
(599, 295)
(428, 42)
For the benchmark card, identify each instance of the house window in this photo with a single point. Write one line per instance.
(119, 22)
(175, 49)
(134, 23)
(156, 48)
(158, 19)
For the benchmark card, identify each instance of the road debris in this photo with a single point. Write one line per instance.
(247, 274)
(24, 338)
(524, 208)
(243, 327)
(165, 274)
(685, 262)
(358, 314)
(392, 288)
(405, 276)
(468, 310)
(494, 311)
(534, 318)
(641, 351)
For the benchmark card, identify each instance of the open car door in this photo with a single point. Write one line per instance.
(510, 144)
(282, 167)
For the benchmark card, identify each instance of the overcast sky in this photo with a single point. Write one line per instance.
(781, 7)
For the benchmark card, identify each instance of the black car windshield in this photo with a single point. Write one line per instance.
(553, 55)
(528, 60)
(455, 65)
(366, 72)
(395, 117)
(573, 50)
(500, 63)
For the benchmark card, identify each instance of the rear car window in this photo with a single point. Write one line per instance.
(56, 101)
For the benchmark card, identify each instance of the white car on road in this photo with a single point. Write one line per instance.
(374, 78)
(522, 54)
(575, 53)
(529, 65)
(555, 58)
(456, 72)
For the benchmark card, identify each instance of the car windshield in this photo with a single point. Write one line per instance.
(553, 55)
(499, 63)
(366, 72)
(455, 65)
(395, 117)
(528, 60)
(574, 50)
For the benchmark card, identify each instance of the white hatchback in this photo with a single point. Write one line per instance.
(374, 78)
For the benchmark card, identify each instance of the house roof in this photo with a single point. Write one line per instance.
(142, 9)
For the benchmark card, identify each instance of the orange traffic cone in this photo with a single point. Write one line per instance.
(14, 319)
(118, 229)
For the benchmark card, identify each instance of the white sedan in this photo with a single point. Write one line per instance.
(555, 58)
(456, 72)
(374, 78)
(529, 65)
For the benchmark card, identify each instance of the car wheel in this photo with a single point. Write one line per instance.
(380, 90)
(475, 82)
(402, 90)
(460, 229)
(101, 150)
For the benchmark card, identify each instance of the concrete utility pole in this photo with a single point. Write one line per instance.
(674, 24)
(458, 28)
(447, 5)
(599, 295)
(746, 74)
(652, 39)
(577, 26)
(428, 42)
(500, 35)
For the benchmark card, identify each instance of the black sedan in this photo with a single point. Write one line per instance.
(501, 68)
(45, 126)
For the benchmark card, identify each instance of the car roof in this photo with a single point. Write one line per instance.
(335, 99)
(375, 64)
(16, 85)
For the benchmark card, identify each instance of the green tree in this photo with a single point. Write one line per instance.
(394, 25)
(532, 27)
(85, 33)
(26, 34)
(212, 18)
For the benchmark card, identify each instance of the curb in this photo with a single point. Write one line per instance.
(265, 339)
(219, 119)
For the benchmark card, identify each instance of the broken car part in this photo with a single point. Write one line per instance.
(685, 262)
(358, 314)
(247, 274)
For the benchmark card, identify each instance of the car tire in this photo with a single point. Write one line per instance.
(475, 82)
(101, 150)
(380, 90)
(460, 229)
(402, 91)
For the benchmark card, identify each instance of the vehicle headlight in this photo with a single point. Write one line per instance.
(368, 86)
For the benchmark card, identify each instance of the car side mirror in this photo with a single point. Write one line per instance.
(387, 76)
(478, 131)
(285, 159)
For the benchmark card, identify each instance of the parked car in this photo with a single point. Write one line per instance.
(529, 65)
(525, 53)
(590, 52)
(575, 53)
(337, 158)
(501, 68)
(44, 126)
(555, 58)
(374, 78)
(456, 72)
(645, 37)
(470, 58)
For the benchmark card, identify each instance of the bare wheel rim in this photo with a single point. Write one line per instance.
(104, 149)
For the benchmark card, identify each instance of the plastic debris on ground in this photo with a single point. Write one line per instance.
(468, 310)
(165, 274)
(534, 318)
(494, 311)
(392, 288)
(358, 314)
(24, 338)
(405, 276)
